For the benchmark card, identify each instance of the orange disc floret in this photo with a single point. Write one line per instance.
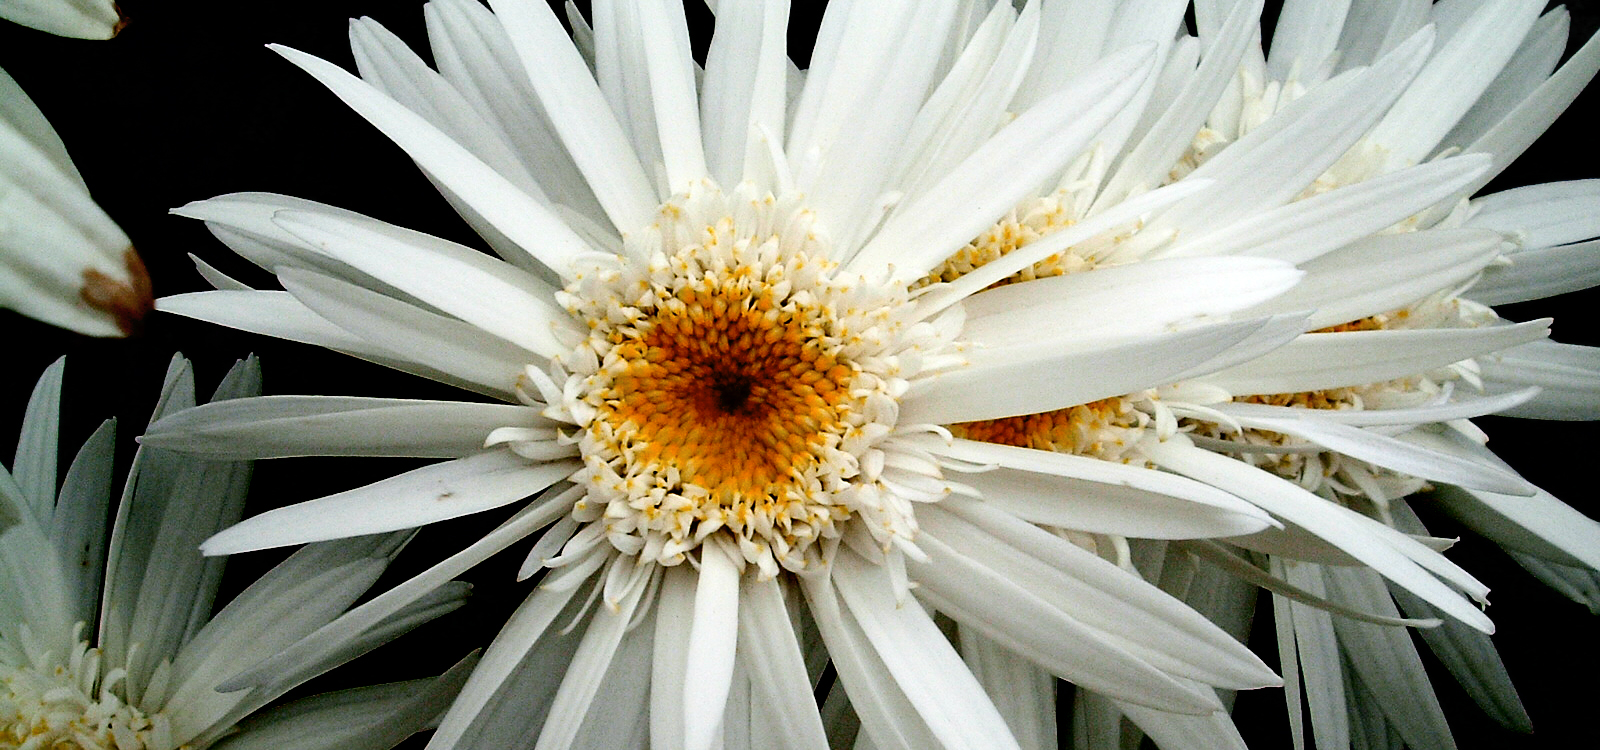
(727, 387)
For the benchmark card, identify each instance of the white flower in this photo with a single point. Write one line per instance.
(1349, 149)
(714, 330)
(62, 260)
(79, 19)
(119, 650)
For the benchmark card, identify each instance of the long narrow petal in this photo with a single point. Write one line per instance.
(284, 426)
(478, 289)
(713, 640)
(325, 640)
(513, 212)
(579, 113)
(921, 235)
(1396, 455)
(1305, 229)
(921, 661)
(1344, 528)
(769, 650)
(1093, 591)
(1091, 495)
(421, 496)
(429, 339)
(888, 719)
(1341, 285)
(1032, 373)
(1320, 361)
(511, 645)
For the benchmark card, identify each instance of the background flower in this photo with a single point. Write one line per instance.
(227, 88)
(112, 642)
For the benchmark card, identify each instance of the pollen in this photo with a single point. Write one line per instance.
(1028, 222)
(1106, 429)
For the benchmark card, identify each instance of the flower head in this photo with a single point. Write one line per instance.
(727, 372)
(118, 650)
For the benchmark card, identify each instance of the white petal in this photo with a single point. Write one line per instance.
(1466, 408)
(769, 650)
(1149, 162)
(1553, 213)
(1003, 171)
(712, 644)
(1532, 64)
(1320, 665)
(78, 524)
(1537, 274)
(1473, 661)
(480, 290)
(1359, 536)
(1306, 36)
(519, 216)
(78, 19)
(1056, 372)
(1342, 287)
(1103, 597)
(887, 717)
(282, 426)
(1305, 229)
(1320, 361)
(1547, 520)
(579, 113)
(1396, 455)
(1276, 161)
(1124, 212)
(511, 645)
(421, 496)
(921, 661)
(1133, 299)
(368, 614)
(1076, 492)
(672, 90)
(1527, 121)
(474, 53)
(1386, 660)
(1568, 378)
(1456, 75)
(743, 88)
(574, 699)
(1023, 692)
(279, 314)
(418, 335)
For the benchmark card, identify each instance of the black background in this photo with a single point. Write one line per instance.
(187, 104)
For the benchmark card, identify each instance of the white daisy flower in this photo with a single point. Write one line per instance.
(727, 373)
(62, 259)
(119, 650)
(78, 19)
(1349, 149)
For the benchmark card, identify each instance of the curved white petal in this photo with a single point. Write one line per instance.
(1319, 361)
(421, 496)
(283, 426)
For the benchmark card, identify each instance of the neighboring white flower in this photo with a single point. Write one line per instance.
(79, 19)
(725, 363)
(1350, 151)
(120, 650)
(62, 260)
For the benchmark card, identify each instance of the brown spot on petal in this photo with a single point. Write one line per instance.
(125, 303)
(122, 21)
